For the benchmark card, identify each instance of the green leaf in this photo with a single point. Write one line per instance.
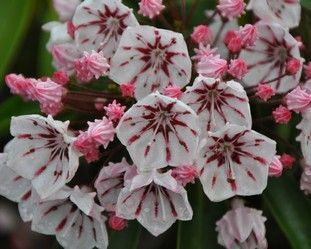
(12, 107)
(128, 238)
(291, 210)
(306, 4)
(199, 233)
(15, 19)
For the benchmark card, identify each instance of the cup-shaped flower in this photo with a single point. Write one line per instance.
(99, 25)
(65, 8)
(242, 227)
(151, 59)
(285, 12)
(75, 219)
(217, 102)
(267, 60)
(305, 136)
(42, 151)
(159, 131)
(234, 161)
(110, 181)
(156, 200)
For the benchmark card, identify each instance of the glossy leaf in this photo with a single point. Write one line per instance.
(15, 17)
(291, 210)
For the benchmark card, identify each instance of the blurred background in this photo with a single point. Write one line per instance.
(22, 50)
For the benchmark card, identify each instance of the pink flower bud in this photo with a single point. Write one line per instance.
(298, 100)
(238, 68)
(293, 66)
(300, 43)
(287, 161)
(173, 92)
(307, 70)
(114, 111)
(264, 91)
(101, 131)
(229, 35)
(127, 89)
(87, 146)
(248, 35)
(213, 66)
(235, 45)
(276, 167)
(116, 223)
(60, 77)
(281, 115)
(91, 65)
(203, 52)
(150, 8)
(202, 34)
(49, 94)
(231, 8)
(185, 174)
(21, 86)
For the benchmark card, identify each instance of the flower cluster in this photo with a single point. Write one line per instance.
(177, 116)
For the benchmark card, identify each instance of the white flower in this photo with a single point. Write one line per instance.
(159, 131)
(156, 200)
(267, 60)
(74, 218)
(234, 161)
(99, 25)
(217, 102)
(305, 136)
(152, 59)
(42, 151)
(285, 12)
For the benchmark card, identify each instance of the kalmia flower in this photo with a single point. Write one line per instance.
(217, 102)
(114, 111)
(58, 34)
(235, 45)
(151, 59)
(298, 100)
(237, 68)
(242, 227)
(155, 199)
(281, 115)
(234, 161)
(91, 65)
(65, 8)
(203, 52)
(276, 167)
(150, 8)
(231, 8)
(202, 34)
(110, 181)
(264, 92)
(74, 218)
(42, 151)
(267, 60)
(99, 25)
(285, 12)
(212, 66)
(159, 131)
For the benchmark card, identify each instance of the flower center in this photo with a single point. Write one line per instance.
(281, 53)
